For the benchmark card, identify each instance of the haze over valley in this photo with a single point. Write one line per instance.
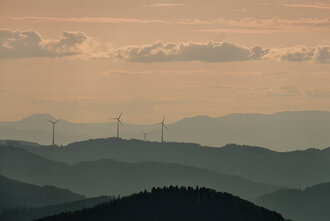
(164, 110)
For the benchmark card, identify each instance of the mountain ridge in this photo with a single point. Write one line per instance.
(280, 131)
(115, 177)
(16, 194)
(311, 203)
(253, 163)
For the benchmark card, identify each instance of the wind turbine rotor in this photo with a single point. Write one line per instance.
(119, 123)
(51, 121)
(165, 126)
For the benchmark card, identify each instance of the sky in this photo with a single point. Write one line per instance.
(89, 60)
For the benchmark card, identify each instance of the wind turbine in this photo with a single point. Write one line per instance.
(53, 122)
(162, 126)
(118, 122)
(145, 134)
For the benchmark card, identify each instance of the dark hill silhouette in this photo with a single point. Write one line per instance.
(19, 142)
(175, 204)
(109, 177)
(17, 194)
(280, 131)
(30, 214)
(292, 169)
(21, 165)
(313, 203)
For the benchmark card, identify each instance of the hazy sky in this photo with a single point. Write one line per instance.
(88, 60)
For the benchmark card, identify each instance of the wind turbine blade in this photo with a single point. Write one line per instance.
(165, 126)
(50, 121)
(164, 118)
(120, 122)
(156, 124)
(57, 121)
(120, 115)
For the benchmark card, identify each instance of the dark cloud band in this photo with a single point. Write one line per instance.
(22, 44)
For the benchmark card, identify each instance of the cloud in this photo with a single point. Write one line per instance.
(189, 51)
(290, 90)
(244, 25)
(297, 54)
(21, 44)
(131, 73)
(286, 90)
(87, 20)
(164, 5)
(318, 54)
(266, 26)
(68, 45)
(322, 54)
(313, 6)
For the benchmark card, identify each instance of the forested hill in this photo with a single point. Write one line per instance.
(175, 204)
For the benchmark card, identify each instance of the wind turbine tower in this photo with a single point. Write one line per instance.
(53, 123)
(162, 127)
(118, 122)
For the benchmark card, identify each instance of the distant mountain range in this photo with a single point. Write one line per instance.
(313, 203)
(280, 131)
(290, 169)
(175, 204)
(109, 177)
(14, 194)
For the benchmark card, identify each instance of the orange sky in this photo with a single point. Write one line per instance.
(85, 60)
